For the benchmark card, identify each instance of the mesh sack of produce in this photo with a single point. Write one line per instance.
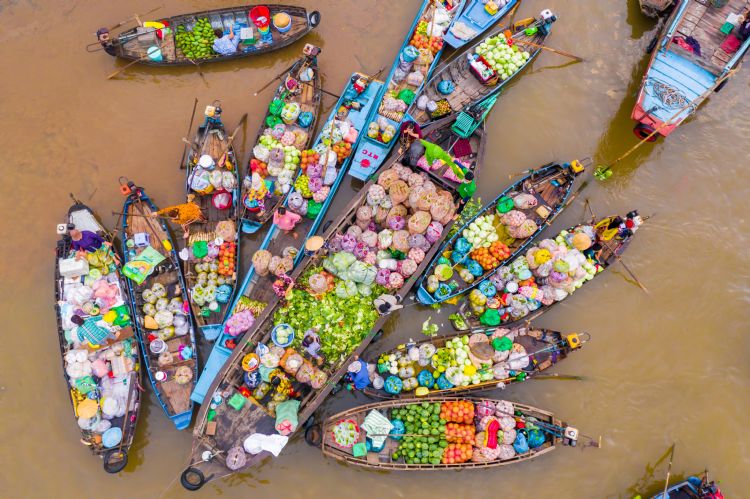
(398, 210)
(399, 191)
(261, 259)
(401, 241)
(524, 201)
(361, 272)
(419, 221)
(513, 218)
(526, 229)
(387, 178)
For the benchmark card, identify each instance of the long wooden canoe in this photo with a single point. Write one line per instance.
(258, 288)
(467, 87)
(373, 150)
(221, 429)
(174, 371)
(533, 350)
(401, 453)
(292, 90)
(149, 44)
(215, 277)
(610, 240)
(119, 357)
(551, 187)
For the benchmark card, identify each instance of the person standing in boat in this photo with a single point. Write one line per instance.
(225, 44)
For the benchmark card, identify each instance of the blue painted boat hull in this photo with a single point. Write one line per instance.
(476, 17)
(370, 153)
(220, 353)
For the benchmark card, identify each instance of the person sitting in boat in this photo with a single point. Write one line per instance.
(311, 344)
(385, 304)
(183, 214)
(743, 31)
(286, 220)
(357, 377)
(85, 241)
(90, 331)
(256, 195)
(225, 44)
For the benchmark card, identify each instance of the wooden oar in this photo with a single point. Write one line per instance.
(512, 13)
(231, 139)
(135, 17)
(141, 59)
(200, 71)
(669, 472)
(545, 47)
(630, 272)
(139, 215)
(278, 76)
(190, 127)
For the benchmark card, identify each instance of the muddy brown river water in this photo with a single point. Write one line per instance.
(668, 366)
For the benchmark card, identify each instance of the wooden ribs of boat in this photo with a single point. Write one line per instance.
(134, 44)
(383, 460)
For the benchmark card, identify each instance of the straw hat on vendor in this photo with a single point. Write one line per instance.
(183, 214)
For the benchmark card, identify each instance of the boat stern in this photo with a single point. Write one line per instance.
(182, 420)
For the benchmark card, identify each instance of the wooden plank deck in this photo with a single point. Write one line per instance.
(703, 22)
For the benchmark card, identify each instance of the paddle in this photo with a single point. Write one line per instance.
(141, 59)
(138, 215)
(222, 159)
(669, 472)
(190, 127)
(278, 76)
(135, 17)
(603, 172)
(545, 47)
(200, 71)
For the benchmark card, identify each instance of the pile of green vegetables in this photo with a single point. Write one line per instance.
(343, 322)
(425, 441)
(198, 43)
(472, 208)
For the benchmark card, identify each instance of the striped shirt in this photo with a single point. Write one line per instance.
(92, 332)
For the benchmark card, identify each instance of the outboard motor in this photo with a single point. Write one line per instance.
(102, 35)
(547, 18)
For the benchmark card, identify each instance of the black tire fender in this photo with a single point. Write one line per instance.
(115, 460)
(642, 131)
(314, 18)
(314, 435)
(186, 479)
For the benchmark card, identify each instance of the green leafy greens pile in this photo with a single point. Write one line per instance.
(343, 322)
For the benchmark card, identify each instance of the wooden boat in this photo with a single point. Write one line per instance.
(475, 20)
(221, 429)
(512, 299)
(373, 149)
(678, 79)
(550, 185)
(459, 83)
(293, 91)
(534, 351)
(213, 180)
(399, 452)
(259, 288)
(170, 355)
(119, 357)
(693, 487)
(151, 44)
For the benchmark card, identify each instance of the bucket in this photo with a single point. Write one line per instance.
(282, 22)
(157, 346)
(409, 54)
(154, 53)
(261, 17)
